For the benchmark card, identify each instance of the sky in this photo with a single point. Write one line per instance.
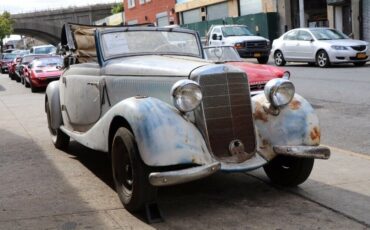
(23, 6)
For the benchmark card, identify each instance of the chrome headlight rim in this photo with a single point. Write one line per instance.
(186, 95)
(279, 92)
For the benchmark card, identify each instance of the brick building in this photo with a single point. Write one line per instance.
(159, 12)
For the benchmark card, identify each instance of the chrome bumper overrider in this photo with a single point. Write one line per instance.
(318, 152)
(183, 176)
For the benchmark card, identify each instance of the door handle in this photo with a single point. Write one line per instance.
(94, 83)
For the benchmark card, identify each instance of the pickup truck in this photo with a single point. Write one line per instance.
(246, 43)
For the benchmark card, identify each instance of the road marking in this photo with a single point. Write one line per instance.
(360, 155)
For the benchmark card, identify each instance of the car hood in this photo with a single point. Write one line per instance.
(154, 65)
(235, 39)
(258, 73)
(345, 42)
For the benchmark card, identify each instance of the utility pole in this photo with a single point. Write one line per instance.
(301, 14)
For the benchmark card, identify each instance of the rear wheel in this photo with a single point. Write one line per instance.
(279, 58)
(359, 63)
(263, 59)
(26, 84)
(60, 139)
(289, 171)
(130, 174)
(33, 88)
(322, 59)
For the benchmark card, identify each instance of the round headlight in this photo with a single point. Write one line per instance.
(279, 92)
(186, 95)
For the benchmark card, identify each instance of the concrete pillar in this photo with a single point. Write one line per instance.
(355, 6)
(233, 8)
(301, 14)
(285, 16)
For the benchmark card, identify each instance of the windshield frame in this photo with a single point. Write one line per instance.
(100, 32)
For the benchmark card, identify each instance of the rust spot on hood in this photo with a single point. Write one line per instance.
(315, 133)
(294, 105)
(260, 114)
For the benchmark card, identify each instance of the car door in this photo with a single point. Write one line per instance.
(82, 99)
(215, 37)
(290, 45)
(305, 46)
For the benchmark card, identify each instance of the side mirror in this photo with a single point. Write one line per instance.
(29, 66)
(214, 37)
(312, 40)
(219, 37)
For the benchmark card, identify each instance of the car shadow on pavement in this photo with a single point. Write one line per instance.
(2, 88)
(97, 162)
(34, 192)
(236, 201)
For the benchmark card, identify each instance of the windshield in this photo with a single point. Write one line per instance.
(27, 59)
(118, 44)
(43, 62)
(221, 54)
(236, 31)
(328, 34)
(8, 56)
(44, 50)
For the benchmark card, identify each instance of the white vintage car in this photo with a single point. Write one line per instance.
(147, 97)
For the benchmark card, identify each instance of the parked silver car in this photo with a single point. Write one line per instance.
(323, 46)
(147, 96)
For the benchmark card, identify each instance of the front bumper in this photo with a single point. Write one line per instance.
(184, 175)
(348, 56)
(318, 152)
(43, 82)
(253, 53)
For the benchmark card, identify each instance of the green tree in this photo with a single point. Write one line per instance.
(6, 27)
(117, 8)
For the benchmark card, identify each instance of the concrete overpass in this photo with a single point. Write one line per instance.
(46, 25)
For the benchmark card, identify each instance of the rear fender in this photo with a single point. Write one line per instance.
(53, 98)
(295, 125)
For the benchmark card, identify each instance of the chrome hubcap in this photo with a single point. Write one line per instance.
(278, 58)
(322, 59)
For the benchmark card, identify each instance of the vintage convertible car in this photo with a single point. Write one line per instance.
(147, 96)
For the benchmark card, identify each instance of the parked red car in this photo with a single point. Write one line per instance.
(258, 74)
(6, 58)
(22, 66)
(12, 65)
(41, 71)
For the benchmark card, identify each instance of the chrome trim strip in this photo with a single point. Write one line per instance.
(183, 176)
(317, 152)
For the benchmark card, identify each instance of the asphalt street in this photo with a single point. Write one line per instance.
(44, 188)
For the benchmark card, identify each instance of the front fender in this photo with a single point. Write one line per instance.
(52, 95)
(163, 136)
(296, 125)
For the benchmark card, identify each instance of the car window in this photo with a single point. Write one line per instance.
(9, 56)
(43, 62)
(43, 50)
(304, 36)
(217, 31)
(328, 34)
(236, 31)
(291, 35)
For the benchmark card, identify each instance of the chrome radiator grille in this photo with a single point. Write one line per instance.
(227, 112)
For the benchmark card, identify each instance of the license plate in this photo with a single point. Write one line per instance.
(361, 56)
(257, 55)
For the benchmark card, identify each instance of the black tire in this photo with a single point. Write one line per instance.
(22, 80)
(26, 84)
(60, 139)
(33, 88)
(362, 63)
(322, 59)
(2, 71)
(130, 174)
(289, 171)
(17, 79)
(279, 58)
(263, 59)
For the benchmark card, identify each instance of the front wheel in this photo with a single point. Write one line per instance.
(263, 59)
(279, 58)
(289, 171)
(130, 174)
(322, 59)
(59, 138)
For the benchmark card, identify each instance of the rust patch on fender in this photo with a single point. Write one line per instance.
(294, 105)
(315, 133)
(260, 114)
